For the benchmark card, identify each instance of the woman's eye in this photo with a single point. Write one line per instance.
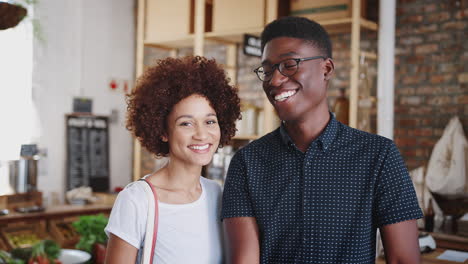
(211, 122)
(185, 124)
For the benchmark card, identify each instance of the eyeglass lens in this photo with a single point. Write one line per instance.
(287, 68)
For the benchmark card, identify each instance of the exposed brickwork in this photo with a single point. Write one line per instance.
(431, 74)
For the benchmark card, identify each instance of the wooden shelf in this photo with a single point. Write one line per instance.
(333, 26)
(450, 241)
(233, 36)
(58, 211)
(182, 42)
(426, 258)
(343, 25)
(368, 55)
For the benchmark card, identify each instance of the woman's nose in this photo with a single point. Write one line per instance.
(201, 133)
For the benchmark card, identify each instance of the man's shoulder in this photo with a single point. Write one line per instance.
(269, 140)
(349, 134)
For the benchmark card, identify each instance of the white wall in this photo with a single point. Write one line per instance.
(87, 43)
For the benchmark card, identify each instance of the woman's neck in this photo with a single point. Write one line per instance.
(178, 177)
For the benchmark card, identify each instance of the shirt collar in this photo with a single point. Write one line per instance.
(325, 139)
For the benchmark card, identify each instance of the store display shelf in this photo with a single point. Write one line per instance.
(63, 232)
(58, 211)
(333, 26)
(169, 44)
(23, 233)
(343, 25)
(369, 55)
(232, 36)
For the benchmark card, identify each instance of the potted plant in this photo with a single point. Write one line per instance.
(93, 239)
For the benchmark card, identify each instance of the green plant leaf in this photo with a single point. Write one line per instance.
(91, 230)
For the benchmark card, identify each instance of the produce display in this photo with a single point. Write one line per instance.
(6, 258)
(67, 231)
(43, 252)
(22, 239)
(91, 230)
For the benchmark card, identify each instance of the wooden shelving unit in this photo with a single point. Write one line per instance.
(269, 10)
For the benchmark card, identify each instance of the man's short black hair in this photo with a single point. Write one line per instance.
(301, 28)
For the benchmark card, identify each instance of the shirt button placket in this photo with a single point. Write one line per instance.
(306, 170)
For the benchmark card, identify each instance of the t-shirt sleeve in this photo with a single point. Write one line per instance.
(236, 199)
(128, 217)
(395, 197)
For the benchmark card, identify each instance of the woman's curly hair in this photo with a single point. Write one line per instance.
(168, 82)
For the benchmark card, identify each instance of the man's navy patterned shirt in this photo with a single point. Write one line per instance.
(324, 205)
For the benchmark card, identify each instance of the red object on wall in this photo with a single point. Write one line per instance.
(113, 85)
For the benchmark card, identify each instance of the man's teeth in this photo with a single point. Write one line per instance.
(200, 147)
(285, 95)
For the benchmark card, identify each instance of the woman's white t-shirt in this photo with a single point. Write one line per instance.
(187, 233)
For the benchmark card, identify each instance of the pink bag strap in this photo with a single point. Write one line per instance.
(156, 218)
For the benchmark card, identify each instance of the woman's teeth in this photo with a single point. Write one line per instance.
(200, 147)
(284, 95)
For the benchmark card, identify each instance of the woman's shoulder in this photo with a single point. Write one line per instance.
(134, 191)
(210, 185)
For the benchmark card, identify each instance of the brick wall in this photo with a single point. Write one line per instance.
(431, 74)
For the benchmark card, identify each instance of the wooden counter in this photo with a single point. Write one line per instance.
(57, 211)
(443, 242)
(52, 223)
(428, 258)
(449, 241)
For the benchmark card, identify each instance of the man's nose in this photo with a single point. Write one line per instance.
(277, 78)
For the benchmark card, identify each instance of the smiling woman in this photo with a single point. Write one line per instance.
(183, 109)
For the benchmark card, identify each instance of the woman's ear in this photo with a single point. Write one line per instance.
(164, 139)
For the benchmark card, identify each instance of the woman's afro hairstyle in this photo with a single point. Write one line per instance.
(168, 82)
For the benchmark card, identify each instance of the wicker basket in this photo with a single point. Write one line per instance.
(456, 205)
(11, 15)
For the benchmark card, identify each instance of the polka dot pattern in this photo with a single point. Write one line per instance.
(324, 205)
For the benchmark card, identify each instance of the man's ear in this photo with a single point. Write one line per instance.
(329, 68)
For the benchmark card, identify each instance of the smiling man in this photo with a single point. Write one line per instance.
(314, 190)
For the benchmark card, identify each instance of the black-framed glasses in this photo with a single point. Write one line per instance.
(287, 68)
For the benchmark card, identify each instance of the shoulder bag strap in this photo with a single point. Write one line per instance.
(151, 224)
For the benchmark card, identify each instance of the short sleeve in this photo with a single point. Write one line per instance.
(236, 198)
(128, 217)
(395, 197)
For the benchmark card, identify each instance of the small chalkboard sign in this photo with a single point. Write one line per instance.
(82, 105)
(87, 152)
